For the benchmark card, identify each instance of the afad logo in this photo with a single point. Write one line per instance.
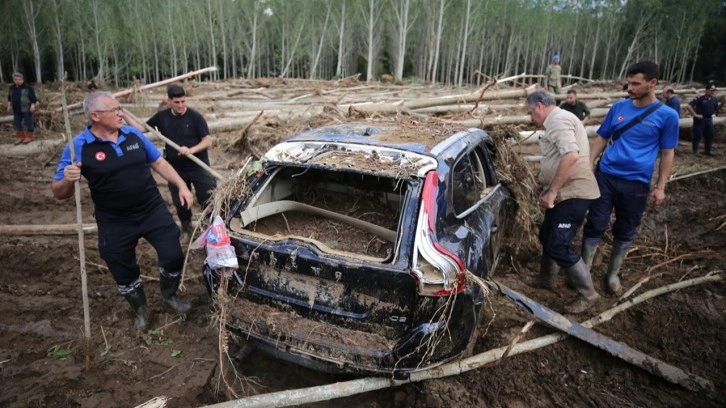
(621, 118)
(100, 156)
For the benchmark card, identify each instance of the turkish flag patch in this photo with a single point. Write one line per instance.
(621, 118)
(100, 156)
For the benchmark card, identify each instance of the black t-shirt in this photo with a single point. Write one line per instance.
(185, 130)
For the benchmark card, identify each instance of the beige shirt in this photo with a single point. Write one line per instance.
(564, 133)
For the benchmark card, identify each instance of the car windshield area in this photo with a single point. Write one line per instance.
(337, 211)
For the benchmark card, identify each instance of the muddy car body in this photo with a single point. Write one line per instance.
(354, 242)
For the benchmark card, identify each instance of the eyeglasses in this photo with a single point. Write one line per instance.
(115, 111)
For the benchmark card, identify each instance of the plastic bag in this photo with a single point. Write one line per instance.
(220, 252)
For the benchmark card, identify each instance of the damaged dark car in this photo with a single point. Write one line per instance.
(357, 244)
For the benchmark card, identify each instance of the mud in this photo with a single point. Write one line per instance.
(41, 316)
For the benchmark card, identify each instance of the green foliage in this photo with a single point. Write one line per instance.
(155, 337)
(113, 40)
(59, 352)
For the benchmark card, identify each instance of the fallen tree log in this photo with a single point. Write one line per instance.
(359, 386)
(45, 229)
(31, 148)
(154, 85)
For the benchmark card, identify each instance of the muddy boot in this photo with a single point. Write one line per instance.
(580, 278)
(548, 270)
(588, 254)
(169, 283)
(20, 138)
(186, 231)
(617, 256)
(28, 137)
(134, 294)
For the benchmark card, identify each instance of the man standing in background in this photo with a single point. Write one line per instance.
(702, 108)
(576, 107)
(552, 80)
(21, 103)
(671, 99)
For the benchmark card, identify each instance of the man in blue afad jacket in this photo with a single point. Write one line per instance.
(702, 108)
(643, 128)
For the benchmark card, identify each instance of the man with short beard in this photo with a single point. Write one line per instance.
(636, 129)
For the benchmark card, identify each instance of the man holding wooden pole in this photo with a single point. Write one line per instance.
(116, 160)
(188, 129)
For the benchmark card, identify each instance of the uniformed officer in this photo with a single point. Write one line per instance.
(116, 160)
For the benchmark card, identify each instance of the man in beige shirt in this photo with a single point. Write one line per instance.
(568, 188)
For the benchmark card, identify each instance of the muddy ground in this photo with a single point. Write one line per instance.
(42, 352)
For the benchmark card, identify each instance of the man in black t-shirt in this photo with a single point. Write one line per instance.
(188, 129)
(576, 107)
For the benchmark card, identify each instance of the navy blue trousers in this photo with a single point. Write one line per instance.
(628, 198)
(23, 117)
(705, 128)
(559, 228)
(117, 244)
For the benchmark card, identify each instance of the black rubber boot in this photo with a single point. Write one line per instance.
(612, 283)
(134, 294)
(579, 276)
(548, 270)
(169, 283)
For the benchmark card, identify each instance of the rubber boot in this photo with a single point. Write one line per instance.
(20, 138)
(28, 137)
(579, 276)
(136, 297)
(548, 270)
(186, 231)
(617, 256)
(588, 254)
(169, 283)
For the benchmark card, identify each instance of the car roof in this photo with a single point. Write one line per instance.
(422, 138)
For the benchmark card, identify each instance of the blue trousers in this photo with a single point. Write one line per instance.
(628, 198)
(559, 227)
(703, 127)
(20, 117)
(117, 244)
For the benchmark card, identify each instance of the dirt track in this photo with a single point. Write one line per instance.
(40, 308)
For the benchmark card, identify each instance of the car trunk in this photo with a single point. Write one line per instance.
(326, 249)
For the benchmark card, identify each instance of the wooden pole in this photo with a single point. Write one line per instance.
(168, 141)
(81, 245)
(348, 388)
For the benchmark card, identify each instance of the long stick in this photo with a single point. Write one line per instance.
(348, 388)
(79, 219)
(168, 141)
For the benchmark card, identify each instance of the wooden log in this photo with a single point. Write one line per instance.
(154, 85)
(527, 136)
(45, 229)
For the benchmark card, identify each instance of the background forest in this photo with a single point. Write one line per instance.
(444, 41)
